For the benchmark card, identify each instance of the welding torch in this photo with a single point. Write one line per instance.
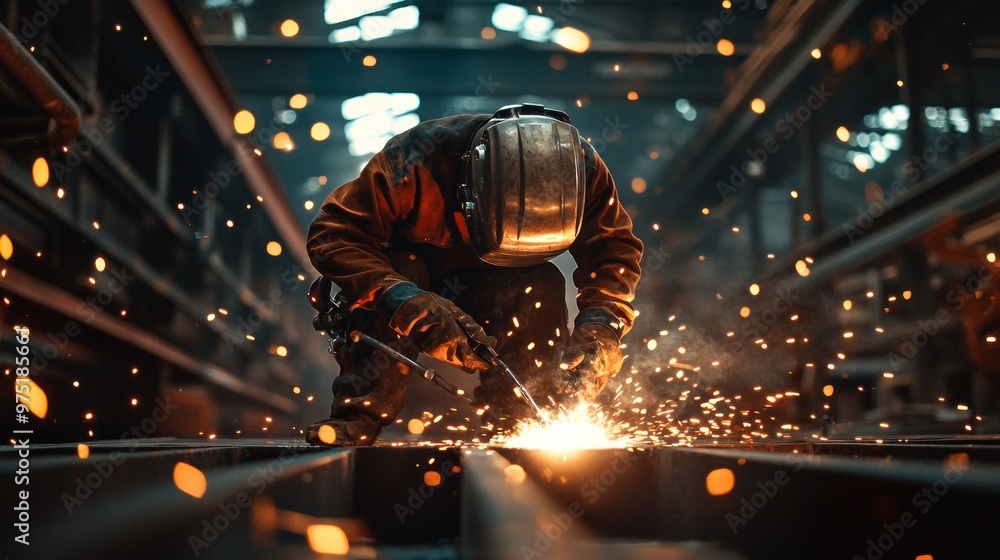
(484, 351)
(487, 353)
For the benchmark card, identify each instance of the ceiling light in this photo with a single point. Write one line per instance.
(375, 27)
(289, 28)
(571, 39)
(320, 131)
(508, 17)
(407, 17)
(375, 102)
(536, 28)
(366, 146)
(345, 35)
(337, 11)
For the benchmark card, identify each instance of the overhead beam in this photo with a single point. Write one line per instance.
(439, 71)
(18, 63)
(465, 44)
(767, 74)
(842, 253)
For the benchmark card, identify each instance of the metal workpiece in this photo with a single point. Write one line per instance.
(505, 513)
(509, 511)
(126, 495)
(398, 499)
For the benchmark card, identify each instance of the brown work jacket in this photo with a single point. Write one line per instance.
(405, 197)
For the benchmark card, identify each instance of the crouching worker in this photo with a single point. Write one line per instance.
(442, 244)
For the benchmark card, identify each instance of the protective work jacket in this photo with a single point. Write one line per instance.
(405, 197)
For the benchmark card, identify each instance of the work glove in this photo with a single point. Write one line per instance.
(436, 325)
(590, 358)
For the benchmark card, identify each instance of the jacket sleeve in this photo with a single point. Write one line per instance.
(354, 224)
(607, 255)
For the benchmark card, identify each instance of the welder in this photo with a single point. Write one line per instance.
(442, 246)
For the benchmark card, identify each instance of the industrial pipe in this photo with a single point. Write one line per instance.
(25, 70)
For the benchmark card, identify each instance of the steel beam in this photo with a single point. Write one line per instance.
(150, 200)
(119, 253)
(25, 70)
(875, 244)
(763, 502)
(138, 508)
(808, 499)
(49, 296)
(335, 70)
(503, 511)
(203, 79)
(767, 73)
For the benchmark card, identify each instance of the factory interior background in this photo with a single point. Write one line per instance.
(816, 183)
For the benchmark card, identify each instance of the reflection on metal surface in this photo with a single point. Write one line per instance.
(37, 401)
(327, 539)
(190, 480)
(720, 482)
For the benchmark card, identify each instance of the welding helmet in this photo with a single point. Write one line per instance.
(524, 178)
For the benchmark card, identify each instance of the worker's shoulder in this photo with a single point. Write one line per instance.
(591, 157)
(447, 135)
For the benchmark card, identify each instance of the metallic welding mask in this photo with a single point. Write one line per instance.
(524, 185)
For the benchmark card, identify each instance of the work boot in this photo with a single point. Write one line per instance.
(338, 432)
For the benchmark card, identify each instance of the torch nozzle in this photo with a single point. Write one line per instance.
(490, 355)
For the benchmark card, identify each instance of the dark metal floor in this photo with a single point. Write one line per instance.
(934, 496)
